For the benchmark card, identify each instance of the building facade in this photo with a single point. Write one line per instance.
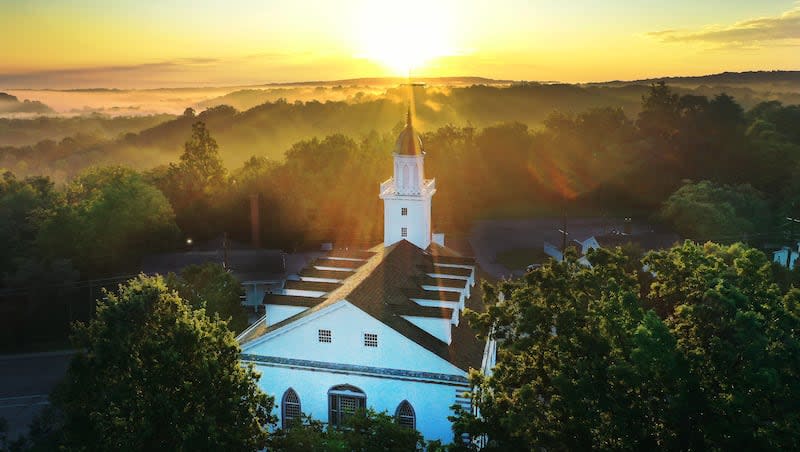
(378, 328)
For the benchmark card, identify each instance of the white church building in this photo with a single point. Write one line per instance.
(378, 328)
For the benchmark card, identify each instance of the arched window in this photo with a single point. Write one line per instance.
(290, 407)
(404, 415)
(343, 401)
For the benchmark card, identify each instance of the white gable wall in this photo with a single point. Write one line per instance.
(347, 323)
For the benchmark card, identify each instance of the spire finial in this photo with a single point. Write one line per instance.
(408, 116)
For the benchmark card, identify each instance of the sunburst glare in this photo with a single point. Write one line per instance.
(405, 36)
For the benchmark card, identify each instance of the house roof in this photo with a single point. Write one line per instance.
(424, 311)
(290, 300)
(381, 288)
(330, 274)
(246, 265)
(311, 285)
(337, 263)
(351, 254)
(442, 282)
(432, 295)
(438, 269)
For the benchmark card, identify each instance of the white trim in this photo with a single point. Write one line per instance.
(313, 279)
(336, 269)
(292, 325)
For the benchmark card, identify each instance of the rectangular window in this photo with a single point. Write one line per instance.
(325, 336)
(341, 406)
(404, 211)
(370, 340)
(403, 232)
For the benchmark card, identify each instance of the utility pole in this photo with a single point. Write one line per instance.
(564, 235)
(792, 222)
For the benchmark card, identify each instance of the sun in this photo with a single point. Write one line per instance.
(405, 35)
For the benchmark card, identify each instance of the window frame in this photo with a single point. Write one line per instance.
(403, 232)
(404, 211)
(294, 404)
(337, 414)
(399, 416)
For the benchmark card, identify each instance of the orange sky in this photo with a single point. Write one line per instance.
(146, 44)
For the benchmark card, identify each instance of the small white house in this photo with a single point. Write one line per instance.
(585, 246)
(378, 328)
(780, 256)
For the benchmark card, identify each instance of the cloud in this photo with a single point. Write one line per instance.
(745, 33)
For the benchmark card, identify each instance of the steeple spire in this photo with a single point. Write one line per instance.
(408, 116)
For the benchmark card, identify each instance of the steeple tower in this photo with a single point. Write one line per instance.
(407, 195)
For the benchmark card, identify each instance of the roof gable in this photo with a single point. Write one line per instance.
(381, 288)
(347, 325)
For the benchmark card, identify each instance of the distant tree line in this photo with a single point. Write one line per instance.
(706, 167)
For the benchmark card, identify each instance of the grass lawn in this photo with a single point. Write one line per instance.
(520, 258)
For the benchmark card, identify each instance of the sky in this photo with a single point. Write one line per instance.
(66, 44)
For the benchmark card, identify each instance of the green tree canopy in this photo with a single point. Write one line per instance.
(708, 211)
(705, 356)
(154, 374)
(110, 219)
(213, 288)
(23, 205)
(364, 431)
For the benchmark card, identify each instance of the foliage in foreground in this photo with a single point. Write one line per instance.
(211, 287)
(700, 352)
(157, 375)
(365, 431)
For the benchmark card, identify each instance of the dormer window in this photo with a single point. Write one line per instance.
(370, 340)
(403, 232)
(404, 211)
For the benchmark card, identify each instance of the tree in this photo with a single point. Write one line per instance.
(707, 211)
(660, 115)
(706, 357)
(191, 184)
(111, 218)
(364, 431)
(154, 374)
(23, 206)
(211, 287)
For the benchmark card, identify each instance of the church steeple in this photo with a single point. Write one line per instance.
(407, 195)
(409, 142)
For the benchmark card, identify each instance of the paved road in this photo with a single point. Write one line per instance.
(25, 383)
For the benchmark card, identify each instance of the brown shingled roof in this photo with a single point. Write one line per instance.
(331, 274)
(336, 263)
(351, 254)
(424, 311)
(442, 282)
(311, 285)
(433, 295)
(380, 288)
(455, 271)
(291, 300)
